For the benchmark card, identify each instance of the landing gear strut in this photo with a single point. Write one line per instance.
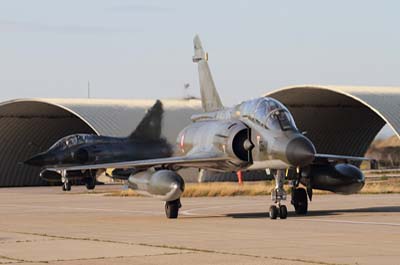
(172, 208)
(66, 185)
(278, 195)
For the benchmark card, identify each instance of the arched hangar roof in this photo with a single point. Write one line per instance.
(342, 119)
(29, 126)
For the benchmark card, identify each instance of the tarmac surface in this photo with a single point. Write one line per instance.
(44, 225)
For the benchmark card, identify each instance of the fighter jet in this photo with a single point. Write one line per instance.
(255, 134)
(145, 142)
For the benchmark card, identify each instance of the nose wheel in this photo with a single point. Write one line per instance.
(275, 212)
(278, 194)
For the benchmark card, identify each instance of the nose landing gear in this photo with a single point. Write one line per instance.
(278, 195)
(275, 211)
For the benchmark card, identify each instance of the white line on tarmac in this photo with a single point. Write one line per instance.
(190, 211)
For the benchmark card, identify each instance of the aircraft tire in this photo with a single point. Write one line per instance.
(273, 212)
(172, 209)
(283, 212)
(90, 184)
(300, 201)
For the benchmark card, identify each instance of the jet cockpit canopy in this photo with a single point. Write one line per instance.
(269, 113)
(72, 140)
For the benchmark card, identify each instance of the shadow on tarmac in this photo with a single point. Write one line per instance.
(378, 209)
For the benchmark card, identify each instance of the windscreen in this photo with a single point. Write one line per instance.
(280, 119)
(274, 115)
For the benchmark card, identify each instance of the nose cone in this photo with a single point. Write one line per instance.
(36, 160)
(300, 151)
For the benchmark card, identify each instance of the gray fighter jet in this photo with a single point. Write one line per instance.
(256, 134)
(87, 149)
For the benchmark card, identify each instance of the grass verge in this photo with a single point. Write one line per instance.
(214, 189)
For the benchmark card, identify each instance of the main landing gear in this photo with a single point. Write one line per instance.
(90, 181)
(299, 200)
(66, 185)
(278, 195)
(299, 195)
(172, 208)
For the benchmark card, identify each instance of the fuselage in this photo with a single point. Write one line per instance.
(256, 134)
(82, 149)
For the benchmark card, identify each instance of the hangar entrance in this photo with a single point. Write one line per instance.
(29, 127)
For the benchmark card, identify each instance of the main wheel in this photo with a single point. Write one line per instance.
(90, 183)
(67, 186)
(300, 201)
(283, 212)
(63, 187)
(273, 212)
(172, 209)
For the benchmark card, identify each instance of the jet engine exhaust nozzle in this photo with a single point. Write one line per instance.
(300, 151)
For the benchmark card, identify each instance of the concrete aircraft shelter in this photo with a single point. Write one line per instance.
(29, 126)
(342, 119)
(339, 120)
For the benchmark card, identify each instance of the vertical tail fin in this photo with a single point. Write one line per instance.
(150, 126)
(209, 96)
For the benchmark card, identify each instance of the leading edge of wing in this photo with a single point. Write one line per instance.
(177, 160)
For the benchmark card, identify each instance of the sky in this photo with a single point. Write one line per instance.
(143, 49)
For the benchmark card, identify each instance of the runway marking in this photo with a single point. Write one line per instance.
(348, 222)
(189, 212)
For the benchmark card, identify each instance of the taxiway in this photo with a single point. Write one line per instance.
(44, 225)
